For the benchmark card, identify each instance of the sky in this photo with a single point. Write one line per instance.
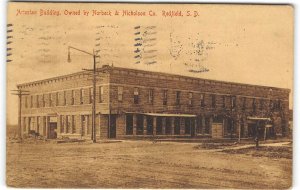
(250, 44)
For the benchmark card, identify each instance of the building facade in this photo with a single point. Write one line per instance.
(134, 103)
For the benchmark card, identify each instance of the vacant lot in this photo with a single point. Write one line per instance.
(141, 164)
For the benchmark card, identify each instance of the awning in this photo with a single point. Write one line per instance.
(259, 118)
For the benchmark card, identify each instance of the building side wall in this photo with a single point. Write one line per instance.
(69, 101)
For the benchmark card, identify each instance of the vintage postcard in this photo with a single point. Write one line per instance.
(133, 95)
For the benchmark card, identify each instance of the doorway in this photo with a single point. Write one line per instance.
(112, 127)
(52, 130)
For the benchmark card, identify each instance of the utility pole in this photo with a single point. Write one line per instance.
(239, 124)
(94, 100)
(93, 135)
(20, 93)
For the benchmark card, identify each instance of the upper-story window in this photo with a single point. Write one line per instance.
(90, 95)
(101, 92)
(72, 97)
(190, 98)
(213, 101)
(31, 101)
(26, 102)
(279, 104)
(43, 100)
(165, 97)
(233, 102)
(150, 96)
(202, 104)
(57, 99)
(254, 104)
(37, 101)
(224, 101)
(177, 97)
(244, 103)
(261, 104)
(50, 100)
(271, 104)
(136, 95)
(81, 94)
(65, 98)
(120, 93)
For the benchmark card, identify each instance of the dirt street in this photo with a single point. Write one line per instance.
(141, 164)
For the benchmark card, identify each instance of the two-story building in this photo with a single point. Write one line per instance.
(134, 103)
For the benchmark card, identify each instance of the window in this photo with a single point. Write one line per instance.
(202, 100)
(224, 101)
(73, 124)
(31, 102)
(168, 128)
(64, 99)
(68, 123)
(187, 123)
(177, 97)
(101, 94)
(72, 97)
(26, 102)
(159, 125)
(120, 93)
(207, 125)
(279, 104)
(149, 127)
(43, 100)
(244, 103)
(129, 124)
(139, 124)
(136, 95)
(62, 123)
(57, 98)
(254, 104)
(261, 104)
(90, 95)
(271, 105)
(165, 97)
(81, 95)
(233, 102)
(213, 100)
(177, 126)
(199, 125)
(50, 100)
(230, 126)
(190, 98)
(150, 97)
(37, 101)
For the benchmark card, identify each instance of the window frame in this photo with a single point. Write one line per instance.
(191, 95)
(177, 98)
(101, 92)
(81, 94)
(120, 93)
(165, 97)
(202, 103)
(151, 96)
(136, 95)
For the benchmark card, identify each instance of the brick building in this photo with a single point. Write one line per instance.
(134, 103)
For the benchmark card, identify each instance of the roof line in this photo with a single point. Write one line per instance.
(106, 67)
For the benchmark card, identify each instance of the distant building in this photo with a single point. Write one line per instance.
(134, 103)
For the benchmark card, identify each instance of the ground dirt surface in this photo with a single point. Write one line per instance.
(142, 164)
